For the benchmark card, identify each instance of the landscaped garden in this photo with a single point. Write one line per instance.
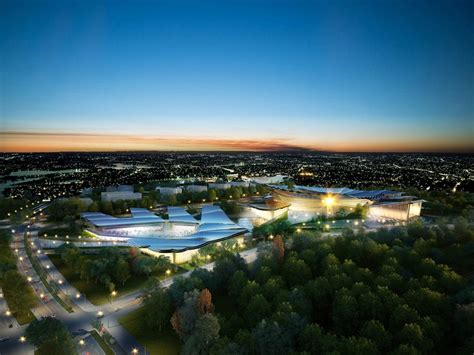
(108, 269)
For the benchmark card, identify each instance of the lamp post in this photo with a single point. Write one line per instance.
(112, 295)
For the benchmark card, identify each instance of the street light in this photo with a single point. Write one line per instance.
(81, 342)
(8, 313)
(112, 295)
(134, 351)
(168, 272)
(22, 339)
(29, 279)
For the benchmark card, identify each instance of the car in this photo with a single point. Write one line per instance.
(4, 339)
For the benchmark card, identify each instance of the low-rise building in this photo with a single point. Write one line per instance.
(169, 190)
(120, 195)
(196, 188)
(219, 185)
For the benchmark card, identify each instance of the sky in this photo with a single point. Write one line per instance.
(258, 75)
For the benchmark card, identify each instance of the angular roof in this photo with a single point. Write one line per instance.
(363, 194)
(139, 216)
(213, 226)
(180, 215)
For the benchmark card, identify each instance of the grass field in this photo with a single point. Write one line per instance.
(164, 343)
(96, 293)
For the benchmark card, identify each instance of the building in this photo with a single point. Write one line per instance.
(120, 195)
(167, 191)
(264, 180)
(219, 185)
(196, 188)
(178, 237)
(240, 183)
(121, 188)
(328, 201)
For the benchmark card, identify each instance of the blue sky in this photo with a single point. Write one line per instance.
(318, 74)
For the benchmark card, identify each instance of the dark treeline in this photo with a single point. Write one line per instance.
(408, 290)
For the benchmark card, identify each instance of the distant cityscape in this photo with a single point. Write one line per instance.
(67, 174)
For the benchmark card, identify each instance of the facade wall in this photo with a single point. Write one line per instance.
(219, 185)
(269, 214)
(120, 195)
(169, 190)
(400, 211)
(196, 188)
(302, 202)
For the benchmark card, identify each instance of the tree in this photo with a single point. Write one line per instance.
(17, 292)
(205, 333)
(268, 338)
(204, 302)
(211, 195)
(375, 331)
(279, 249)
(157, 308)
(257, 309)
(122, 271)
(50, 336)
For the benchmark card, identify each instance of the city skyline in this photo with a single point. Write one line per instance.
(364, 76)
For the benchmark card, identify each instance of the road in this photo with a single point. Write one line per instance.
(84, 312)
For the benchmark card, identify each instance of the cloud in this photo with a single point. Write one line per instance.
(89, 142)
(53, 142)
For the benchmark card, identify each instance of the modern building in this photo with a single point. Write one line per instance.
(120, 195)
(167, 191)
(178, 237)
(380, 203)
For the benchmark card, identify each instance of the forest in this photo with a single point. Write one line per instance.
(407, 290)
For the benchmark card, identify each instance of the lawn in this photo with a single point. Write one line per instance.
(164, 343)
(96, 293)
